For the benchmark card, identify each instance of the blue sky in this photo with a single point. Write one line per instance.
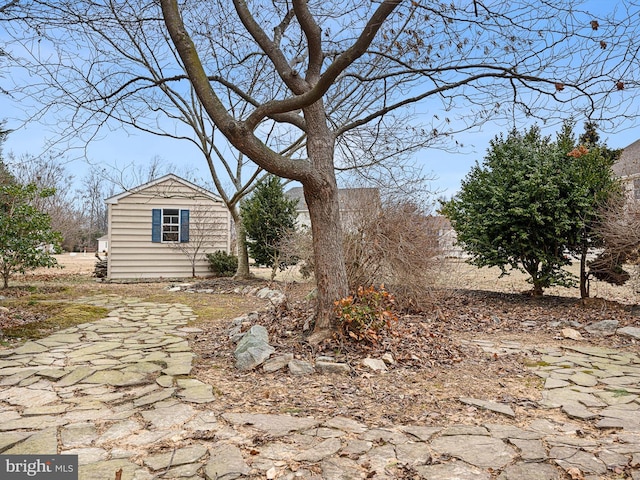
(451, 168)
(125, 148)
(120, 149)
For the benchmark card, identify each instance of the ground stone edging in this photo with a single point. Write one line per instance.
(255, 352)
(603, 328)
(276, 297)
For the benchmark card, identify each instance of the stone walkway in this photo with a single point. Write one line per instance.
(117, 393)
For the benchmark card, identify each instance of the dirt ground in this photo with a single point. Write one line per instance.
(437, 361)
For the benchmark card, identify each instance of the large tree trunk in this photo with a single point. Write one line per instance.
(538, 290)
(321, 195)
(242, 272)
(330, 273)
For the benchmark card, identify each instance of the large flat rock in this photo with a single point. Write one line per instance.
(531, 471)
(225, 463)
(477, 450)
(276, 425)
(28, 397)
(180, 456)
(452, 470)
(489, 405)
(107, 470)
(44, 442)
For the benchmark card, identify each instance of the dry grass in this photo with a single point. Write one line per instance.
(458, 274)
(450, 274)
(71, 263)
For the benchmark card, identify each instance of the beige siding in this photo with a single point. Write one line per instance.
(133, 255)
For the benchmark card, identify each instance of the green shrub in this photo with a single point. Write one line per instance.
(364, 315)
(222, 264)
(268, 216)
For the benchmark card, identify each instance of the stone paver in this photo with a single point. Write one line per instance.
(479, 450)
(117, 393)
(490, 405)
(593, 384)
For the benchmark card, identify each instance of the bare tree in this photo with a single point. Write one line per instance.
(5, 6)
(92, 193)
(123, 78)
(272, 77)
(133, 174)
(123, 67)
(477, 52)
(49, 172)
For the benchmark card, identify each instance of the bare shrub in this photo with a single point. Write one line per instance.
(619, 228)
(395, 245)
(205, 231)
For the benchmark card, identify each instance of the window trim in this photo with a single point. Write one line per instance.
(158, 224)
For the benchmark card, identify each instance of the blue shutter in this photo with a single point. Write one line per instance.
(156, 225)
(184, 226)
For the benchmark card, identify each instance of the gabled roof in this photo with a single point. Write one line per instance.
(629, 162)
(114, 199)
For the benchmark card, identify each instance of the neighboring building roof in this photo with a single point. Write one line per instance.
(629, 162)
(114, 199)
(296, 193)
(347, 197)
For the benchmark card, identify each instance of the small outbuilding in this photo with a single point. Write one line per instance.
(164, 228)
(103, 245)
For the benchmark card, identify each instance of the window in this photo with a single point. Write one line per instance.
(169, 225)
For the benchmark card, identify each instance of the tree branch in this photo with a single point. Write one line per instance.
(239, 134)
